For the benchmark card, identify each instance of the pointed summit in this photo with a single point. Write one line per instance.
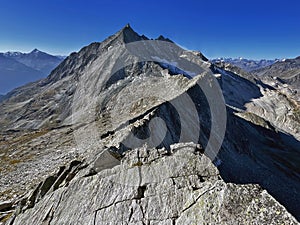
(35, 51)
(124, 36)
(127, 28)
(129, 35)
(162, 38)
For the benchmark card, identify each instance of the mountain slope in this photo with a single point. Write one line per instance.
(271, 99)
(129, 107)
(287, 71)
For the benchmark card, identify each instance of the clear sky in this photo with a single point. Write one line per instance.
(230, 28)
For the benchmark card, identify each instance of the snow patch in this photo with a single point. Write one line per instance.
(173, 66)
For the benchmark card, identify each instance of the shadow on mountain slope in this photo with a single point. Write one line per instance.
(254, 154)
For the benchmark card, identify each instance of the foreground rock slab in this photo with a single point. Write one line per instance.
(156, 186)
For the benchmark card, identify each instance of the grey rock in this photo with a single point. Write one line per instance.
(271, 101)
(283, 76)
(180, 188)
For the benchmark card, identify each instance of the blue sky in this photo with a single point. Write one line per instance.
(250, 29)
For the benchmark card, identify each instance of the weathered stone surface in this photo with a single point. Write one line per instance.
(182, 187)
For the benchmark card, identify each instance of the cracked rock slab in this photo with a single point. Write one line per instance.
(189, 192)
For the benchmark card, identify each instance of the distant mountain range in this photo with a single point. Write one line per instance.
(17, 68)
(248, 65)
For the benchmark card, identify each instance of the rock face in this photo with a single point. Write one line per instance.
(283, 76)
(126, 131)
(278, 98)
(156, 186)
(288, 71)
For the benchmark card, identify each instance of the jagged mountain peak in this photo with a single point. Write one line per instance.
(127, 26)
(35, 51)
(91, 52)
(162, 38)
(127, 34)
